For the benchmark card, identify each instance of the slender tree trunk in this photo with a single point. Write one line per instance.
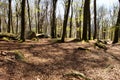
(12, 22)
(17, 18)
(9, 17)
(35, 15)
(95, 25)
(0, 25)
(46, 17)
(89, 23)
(80, 21)
(38, 15)
(22, 37)
(71, 18)
(77, 25)
(36, 23)
(67, 8)
(116, 33)
(80, 24)
(29, 15)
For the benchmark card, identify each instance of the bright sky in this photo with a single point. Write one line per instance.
(107, 3)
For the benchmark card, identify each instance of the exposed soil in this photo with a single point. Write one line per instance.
(45, 60)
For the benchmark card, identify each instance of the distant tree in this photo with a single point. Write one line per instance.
(29, 15)
(38, 16)
(17, 17)
(66, 14)
(116, 33)
(77, 20)
(22, 36)
(80, 21)
(46, 21)
(53, 22)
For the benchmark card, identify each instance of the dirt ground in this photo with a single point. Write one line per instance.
(45, 60)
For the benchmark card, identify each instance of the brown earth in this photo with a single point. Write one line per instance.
(45, 60)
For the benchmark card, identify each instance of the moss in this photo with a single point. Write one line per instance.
(34, 39)
(19, 55)
(5, 39)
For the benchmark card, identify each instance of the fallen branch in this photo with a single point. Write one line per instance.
(100, 45)
(77, 74)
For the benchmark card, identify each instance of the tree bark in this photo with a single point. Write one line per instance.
(116, 33)
(95, 25)
(29, 15)
(17, 18)
(71, 20)
(53, 23)
(89, 22)
(22, 37)
(86, 19)
(9, 17)
(67, 8)
(38, 15)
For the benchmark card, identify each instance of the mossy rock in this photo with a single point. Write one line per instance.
(30, 35)
(9, 36)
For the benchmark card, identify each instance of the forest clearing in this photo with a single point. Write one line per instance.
(59, 39)
(46, 60)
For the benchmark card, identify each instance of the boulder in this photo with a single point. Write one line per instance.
(30, 35)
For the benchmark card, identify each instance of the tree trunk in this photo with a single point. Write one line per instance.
(0, 25)
(85, 19)
(77, 25)
(53, 23)
(46, 17)
(89, 22)
(17, 18)
(95, 25)
(9, 17)
(12, 27)
(38, 15)
(116, 33)
(71, 18)
(29, 15)
(67, 8)
(22, 37)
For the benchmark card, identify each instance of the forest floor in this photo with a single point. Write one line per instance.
(45, 60)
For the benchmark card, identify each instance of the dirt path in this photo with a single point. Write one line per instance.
(50, 61)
